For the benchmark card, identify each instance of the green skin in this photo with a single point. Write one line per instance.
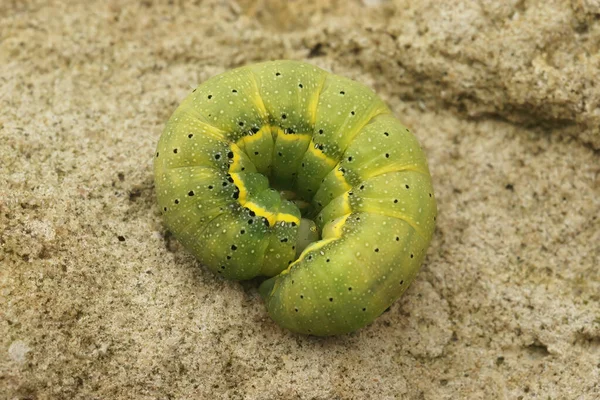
(280, 169)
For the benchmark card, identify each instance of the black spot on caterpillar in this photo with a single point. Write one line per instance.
(346, 228)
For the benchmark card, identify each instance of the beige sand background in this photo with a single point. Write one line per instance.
(97, 301)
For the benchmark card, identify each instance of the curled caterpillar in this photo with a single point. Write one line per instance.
(283, 170)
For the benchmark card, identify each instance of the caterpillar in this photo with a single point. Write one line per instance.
(283, 170)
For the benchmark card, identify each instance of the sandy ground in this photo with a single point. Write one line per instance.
(98, 301)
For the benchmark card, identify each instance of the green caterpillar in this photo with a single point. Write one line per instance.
(283, 170)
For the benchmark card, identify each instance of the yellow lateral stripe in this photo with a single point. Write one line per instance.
(283, 217)
(333, 230)
(313, 246)
(236, 148)
(253, 137)
(261, 212)
(241, 144)
(237, 181)
(330, 234)
(290, 137)
(340, 177)
(320, 155)
(276, 131)
(346, 204)
(237, 158)
(272, 217)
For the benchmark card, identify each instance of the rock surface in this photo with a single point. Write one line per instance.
(97, 301)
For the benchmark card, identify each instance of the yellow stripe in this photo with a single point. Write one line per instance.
(236, 148)
(237, 181)
(346, 204)
(340, 177)
(276, 131)
(236, 165)
(272, 217)
(333, 230)
(261, 212)
(320, 155)
(310, 247)
(315, 246)
(254, 137)
(331, 233)
(283, 217)
(289, 137)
